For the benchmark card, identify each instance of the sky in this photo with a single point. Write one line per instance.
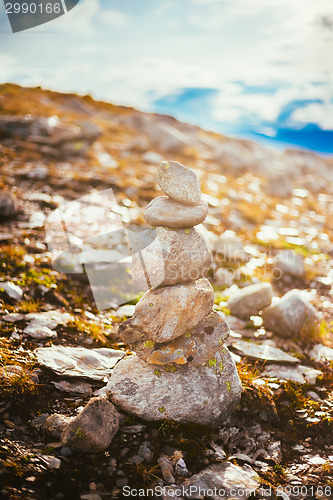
(248, 68)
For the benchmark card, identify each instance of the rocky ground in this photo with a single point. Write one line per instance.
(270, 231)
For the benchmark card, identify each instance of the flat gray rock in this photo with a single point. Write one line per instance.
(299, 374)
(13, 317)
(262, 351)
(250, 300)
(164, 211)
(195, 347)
(205, 395)
(8, 205)
(291, 316)
(166, 313)
(40, 332)
(94, 364)
(50, 319)
(289, 262)
(12, 290)
(231, 247)
(93, 429)
(73, 387)
(225, 481)
(173, 257)
(179, 182)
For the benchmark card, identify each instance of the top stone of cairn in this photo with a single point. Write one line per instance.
(179, 182)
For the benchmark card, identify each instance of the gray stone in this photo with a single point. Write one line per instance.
(230, 247)
(94, 364)
(12, 290)
(263, 351)
(291, 316)
(250, 300)
(224, 277)
(125, 311)
(93, 429)
(289, 262)
(174, 257)
(237, 482)
(13, 317)
(39, 332)
(299, 374)
(73, 387)
(50, 461)
(50, 319)
(169, 312)
(164, 211)
(196, 346)
(145, 453)
(166, 469)
(179, 182)
(181, 469)
(152, 157)
(8, 205)
(321, 354)
(205, 395)
(55, 424)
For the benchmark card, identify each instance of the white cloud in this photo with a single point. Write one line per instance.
(320, 114)
(114, 18)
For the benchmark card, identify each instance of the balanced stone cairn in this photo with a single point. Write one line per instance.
(181, 370)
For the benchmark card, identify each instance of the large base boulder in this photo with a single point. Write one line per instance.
(204, 395)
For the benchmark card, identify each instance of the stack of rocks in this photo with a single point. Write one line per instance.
(181, 369)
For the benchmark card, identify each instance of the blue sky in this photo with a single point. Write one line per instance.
(259, 68)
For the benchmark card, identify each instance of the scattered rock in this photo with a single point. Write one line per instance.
(50, 461)
(145, 453)
(289, 262)
(164, 211)
(250, 300)
(236, 482)
(181, 469)
(73, 387)
(167, 469)
(263, 351)
(55, 424)
(39, 332)
(224, 277)
(179, 182)
(321, 353)
(299, 374)
(125, 311)
(230, 246)
(93, 429)
(50, 319)
(291, 316)
(13, 317)
(152, 157)
(95, 364)
(12, 290)
(166, 313)
(205, 395)
(8, 205)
